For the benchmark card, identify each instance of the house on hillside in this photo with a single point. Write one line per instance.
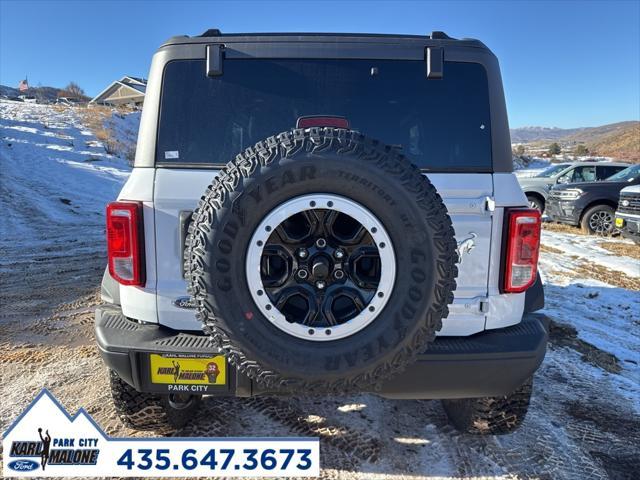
(126, 91)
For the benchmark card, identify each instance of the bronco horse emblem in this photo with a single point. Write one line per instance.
(465, 246)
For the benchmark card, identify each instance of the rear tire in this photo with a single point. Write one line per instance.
(535, 202)
(147, 411)
(598, 220)
(490, 415)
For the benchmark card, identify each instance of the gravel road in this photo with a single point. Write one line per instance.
(584, 420)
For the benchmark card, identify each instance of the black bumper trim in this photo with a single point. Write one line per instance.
(490, 363)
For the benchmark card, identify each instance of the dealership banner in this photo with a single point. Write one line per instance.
(45, 441)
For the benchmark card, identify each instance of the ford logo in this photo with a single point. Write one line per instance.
(23, 465)
(184, 302)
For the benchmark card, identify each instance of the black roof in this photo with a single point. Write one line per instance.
(213, 33)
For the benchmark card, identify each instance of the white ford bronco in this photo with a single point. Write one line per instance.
(322, 214)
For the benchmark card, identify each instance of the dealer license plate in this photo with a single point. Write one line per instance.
(188, 369)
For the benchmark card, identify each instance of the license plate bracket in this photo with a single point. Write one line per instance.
(184, 372)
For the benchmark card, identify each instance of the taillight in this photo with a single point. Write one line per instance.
(521, 254)
(125, 246)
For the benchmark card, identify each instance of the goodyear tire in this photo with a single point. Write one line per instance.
(147, 411)
(396, 278)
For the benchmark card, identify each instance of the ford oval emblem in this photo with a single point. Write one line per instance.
(184, 302)
(23, 465)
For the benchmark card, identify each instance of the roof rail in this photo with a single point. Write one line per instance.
(212, 32)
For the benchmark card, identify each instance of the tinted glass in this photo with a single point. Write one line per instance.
(606, 171)
(551, 171)
(439, 124)
(627, 175)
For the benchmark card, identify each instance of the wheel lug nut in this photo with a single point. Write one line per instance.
(302, 274)
(338, 274)
(320, 285)
(339, 254)
(321, 243)
(302, 253)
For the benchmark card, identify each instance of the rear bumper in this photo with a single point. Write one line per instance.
(629, 225)
(563, 211)
(490, 363)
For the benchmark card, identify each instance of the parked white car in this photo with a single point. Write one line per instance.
(28, 98)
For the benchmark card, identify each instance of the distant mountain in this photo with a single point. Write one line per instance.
(534, 134)
(619, 140)
(538, 134)
(9, 91)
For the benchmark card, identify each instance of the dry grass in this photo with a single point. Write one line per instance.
(106, 137)
(562, 228)
(603, 274)
(624, 249)
(95, 118)
(623, 144)
(549, 249)
(584, 268)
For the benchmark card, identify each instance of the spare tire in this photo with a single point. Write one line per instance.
(321, 260)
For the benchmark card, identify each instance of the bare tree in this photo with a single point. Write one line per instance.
(74, 90)
(555, 149)
(581, 150)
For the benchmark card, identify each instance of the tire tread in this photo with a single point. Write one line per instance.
(230, 183)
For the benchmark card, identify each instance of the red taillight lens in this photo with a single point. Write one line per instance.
(125, 242)
(523, 245)
(322, 121)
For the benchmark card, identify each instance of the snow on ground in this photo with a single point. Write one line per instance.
(588, 248)
(55, 179)
(125, 127)
(583, 419)
(603, 314)
(48, 152)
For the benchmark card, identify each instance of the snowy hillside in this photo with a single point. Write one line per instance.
(55, 181)
(53, 168)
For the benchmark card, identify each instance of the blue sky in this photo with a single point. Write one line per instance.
(565, 64)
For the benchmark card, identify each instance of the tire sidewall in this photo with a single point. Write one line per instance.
(586, 221)
(399, 209)
(539, 205)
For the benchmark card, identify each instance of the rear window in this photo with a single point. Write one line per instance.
(438, 124)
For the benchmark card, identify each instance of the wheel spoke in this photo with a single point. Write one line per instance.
(601, 222)
(365, 267)
(276, 266)
(297, 304)
(322, 271)
(342, 304)
(298, 228)
(344, 229)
